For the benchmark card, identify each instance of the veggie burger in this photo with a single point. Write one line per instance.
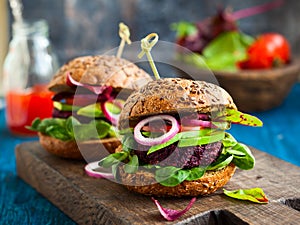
(175, 141)
(86, 106)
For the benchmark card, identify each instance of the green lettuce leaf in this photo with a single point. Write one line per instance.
(113, 159)
(132, 165)
(222, 53)
(256, 195)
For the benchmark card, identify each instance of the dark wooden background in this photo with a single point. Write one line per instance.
(80, 27)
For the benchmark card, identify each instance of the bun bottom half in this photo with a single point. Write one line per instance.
(89, 150)
(143, 182)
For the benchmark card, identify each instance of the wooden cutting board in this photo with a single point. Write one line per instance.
(98, 201)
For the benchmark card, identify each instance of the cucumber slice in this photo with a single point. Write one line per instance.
(218, 136)
(64, 107)
(93, 110)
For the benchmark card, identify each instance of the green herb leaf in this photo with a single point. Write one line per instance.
(254, 194)
(242, 156)
(128, 142)
(103, 128)
(171, 176)
(34, 125)
(113, 159)
(58, 132)
(229, 141)
(221, 162)
(70, 122)
(132, 165)
(245, 161)
(196, 173)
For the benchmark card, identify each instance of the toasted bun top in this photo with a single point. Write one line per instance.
(171, 95)
(100, 70)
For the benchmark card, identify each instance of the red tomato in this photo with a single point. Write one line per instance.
(269, 50)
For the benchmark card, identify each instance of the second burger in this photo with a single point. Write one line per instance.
(87, 104)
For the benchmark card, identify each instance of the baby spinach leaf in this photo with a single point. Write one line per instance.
(246, 161)
(70, 122)
(229, 140)
(196, 173)
(171, 176)
(102, 128)
(112, 159)
(34, 125)
(58, 132)
(256, 195)
(132, 165)
(221, 162)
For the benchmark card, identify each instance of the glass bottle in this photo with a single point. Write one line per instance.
(28, 68)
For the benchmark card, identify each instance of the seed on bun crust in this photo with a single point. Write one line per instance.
(100, 70)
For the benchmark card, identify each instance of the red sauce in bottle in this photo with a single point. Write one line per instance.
(22, 107)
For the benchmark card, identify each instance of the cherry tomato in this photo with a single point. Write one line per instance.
(267, 51)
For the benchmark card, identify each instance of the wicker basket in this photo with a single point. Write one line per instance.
(252, 90)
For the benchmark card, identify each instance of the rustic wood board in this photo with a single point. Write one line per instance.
(98, 201)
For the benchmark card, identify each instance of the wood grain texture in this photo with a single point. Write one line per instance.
(98, 201)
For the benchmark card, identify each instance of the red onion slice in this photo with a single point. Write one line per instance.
(113, 118)
(200, 120)
(94, 170)
(163, 138)
(96, 89)
(201, 123)
(172, 214)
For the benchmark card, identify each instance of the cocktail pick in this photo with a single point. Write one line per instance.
(146, 44)
(124, 34)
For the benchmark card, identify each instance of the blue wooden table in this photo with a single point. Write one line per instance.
(21, 204)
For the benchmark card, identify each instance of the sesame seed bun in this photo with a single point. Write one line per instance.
(100, 70)
(88, 150)
(171, 95)
(143, 182)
